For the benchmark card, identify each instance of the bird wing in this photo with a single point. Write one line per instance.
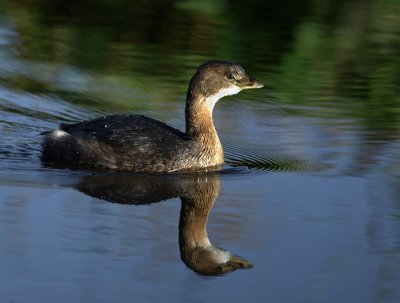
(128, 132)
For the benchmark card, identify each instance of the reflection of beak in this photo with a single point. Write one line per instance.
(236, 262)
(250, 83)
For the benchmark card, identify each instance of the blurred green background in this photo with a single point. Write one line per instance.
(344, 54)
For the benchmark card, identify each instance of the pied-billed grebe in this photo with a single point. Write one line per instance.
(141, 144)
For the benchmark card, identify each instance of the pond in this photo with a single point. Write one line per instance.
(307, 206)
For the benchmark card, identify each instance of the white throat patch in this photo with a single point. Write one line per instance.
(211, 100)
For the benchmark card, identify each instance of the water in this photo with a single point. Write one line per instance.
(309, 198)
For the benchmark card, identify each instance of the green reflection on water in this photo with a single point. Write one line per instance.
(354, 62)
(326, 53)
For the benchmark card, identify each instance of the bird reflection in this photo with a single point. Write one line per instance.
(197, 192)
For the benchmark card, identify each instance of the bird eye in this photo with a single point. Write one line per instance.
(230, 76)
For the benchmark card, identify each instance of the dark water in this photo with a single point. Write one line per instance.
(310, 194)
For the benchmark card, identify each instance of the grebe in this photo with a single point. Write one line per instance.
(141, 144)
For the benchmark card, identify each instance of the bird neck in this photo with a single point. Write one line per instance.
(198, 117)
(200, 130)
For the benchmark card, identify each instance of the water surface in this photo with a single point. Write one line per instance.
(309, 197)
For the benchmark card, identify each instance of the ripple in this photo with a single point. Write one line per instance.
(265, 160)
(18, 107)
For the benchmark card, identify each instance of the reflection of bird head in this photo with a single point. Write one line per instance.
(213, 261)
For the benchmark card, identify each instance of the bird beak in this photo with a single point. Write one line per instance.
(250, 83)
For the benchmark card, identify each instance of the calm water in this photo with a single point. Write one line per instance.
(310, 195)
